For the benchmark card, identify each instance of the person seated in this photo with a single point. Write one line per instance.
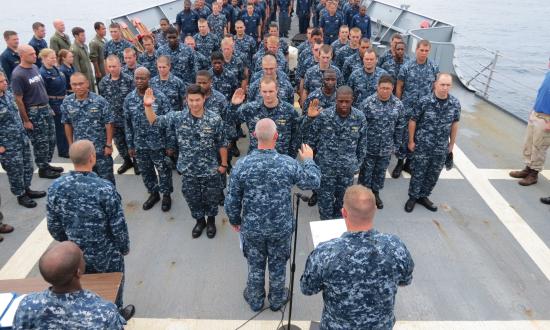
(65, 305)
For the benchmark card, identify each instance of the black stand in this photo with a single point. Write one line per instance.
(290, 326)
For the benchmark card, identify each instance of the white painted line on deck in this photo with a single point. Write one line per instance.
(526, 237)
(23, 260)
(471, 325)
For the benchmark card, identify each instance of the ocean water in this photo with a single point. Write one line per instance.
(519, 30)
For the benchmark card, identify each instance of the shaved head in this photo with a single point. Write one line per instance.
(265, 130)
(80, 152)
(24, 49)
(59, 264)
(359, 205)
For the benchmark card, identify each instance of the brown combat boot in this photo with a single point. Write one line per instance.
(520, 174)
(530, 179)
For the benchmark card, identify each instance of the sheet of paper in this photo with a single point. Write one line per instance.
(7, 320)
(5, 299)
(325, 230)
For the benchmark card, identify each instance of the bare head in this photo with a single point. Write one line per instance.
(59, 25)
(359, 208)
(82, 154)
(62, 265)
(27, 54)
(266, 133)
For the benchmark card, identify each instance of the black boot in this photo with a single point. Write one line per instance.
(313, 199)
(57, 169)
(127, 312)
(409, 206)
(126, 165)
(379, 203)
(47, 173)
(199, 227)
(151, 201)
(136, 168)
(397, 170)
(407, 166)
(424, 201)
(166, 203)
(34, 193)
(26, 201)
(211, 227)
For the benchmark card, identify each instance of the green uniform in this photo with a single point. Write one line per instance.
(82, 62)
(59, 42)
(96, 53)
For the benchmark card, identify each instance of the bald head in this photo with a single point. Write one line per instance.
(80, 152)
(265, 131)
(61, 263)
(24, 49)
(359, 206)
(59, 25)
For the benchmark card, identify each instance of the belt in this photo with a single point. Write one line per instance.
(56, 97)
(36, 106)
(543, 116)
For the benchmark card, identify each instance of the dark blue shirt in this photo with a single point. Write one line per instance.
(68, 73)
(251, 24)
(542, 103)
(187, 22)
(55, 81)
(331, 24)
(363, 23)
(10, 60)
(38, 45)
(29, 83)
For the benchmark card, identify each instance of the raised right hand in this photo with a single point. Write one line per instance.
(305, 152)
(238, 96)
(313, 109)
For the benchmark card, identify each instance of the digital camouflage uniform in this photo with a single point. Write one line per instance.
(266, 223)
(282, 63)
(257, 75)
(217, 24)
(225, 82)
(78, 310)
(285, 90)
(285, 117)
(418, 81)
(337, 44)
(173, 88)
(88, 119)
(87, 210)
(16, 160)
(114, 91)
(150, 142)
(246, 46)
(325, 101)
(340, 148)
(358, 273)
(206, 44)
(351, 64)
(200, 61)
(149, 62)
(313, 78)
(364, 83)
(434, 119)
(199, 141)
(116, 48)
(236, 66)
(182, 63)
(385, 124)
(392, 67)
(342, 54)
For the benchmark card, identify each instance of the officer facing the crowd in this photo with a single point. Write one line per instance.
(65, 305)
(114, 87)
(150, 145)
(87, 115)
(358, 272)
(385, 123)
(338, 136)
(15, 151)
(86, 209)
(202, 146)
(432, 133)
(266, 224)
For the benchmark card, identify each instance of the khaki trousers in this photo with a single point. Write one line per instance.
(537, 141)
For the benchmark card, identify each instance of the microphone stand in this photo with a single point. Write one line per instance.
(290, 326)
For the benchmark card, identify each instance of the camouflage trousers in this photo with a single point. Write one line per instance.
(425, 173)
(330, 195)
(275, 252)
(373, 172)
(149, 160)
(119, 137)
(17, 163)
(100, 263)
(202, 194)
(42, 135)
(104, 166)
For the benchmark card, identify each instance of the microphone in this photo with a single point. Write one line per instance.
(302, 197)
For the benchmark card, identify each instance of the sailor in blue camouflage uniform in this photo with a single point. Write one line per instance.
(359, 272)
(15, 149)
(114, 87)
(394, 63)
(168, 84)
(389, 53)
(348, 50)
(148, 58)
(285, 90)
(181, 56)
(149, 144)
(200, 62)
(331, 22)
(338, 137)
(213, 100)
(131, 63)
(270, 106)
(414, 81)
(343, 39)
(65, 305)
(307, 61)
(217, 22)
(363, 81)
(355, 61)
(244, 43)
(384, 114)
(207, 42)
(87, 210)
(202, 145)
(117, 44)
(234, 61)
(325, 95)
(223, 80)
(257, 75)
(201, 10)
(271, 47)
(433, 127)
(259, 206)
(313, 78)
(87, 115)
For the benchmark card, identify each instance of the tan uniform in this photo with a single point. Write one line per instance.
(537, 141)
